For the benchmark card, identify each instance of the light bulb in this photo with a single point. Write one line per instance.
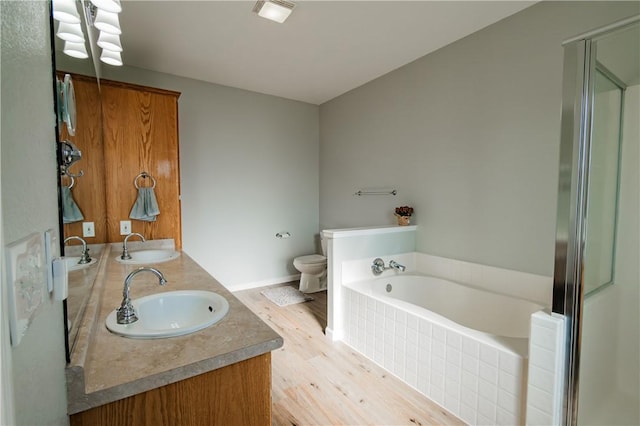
(111, 58)
(76, 50)
(70, 32)
(109, 42)
(107, 22)
(66, 11)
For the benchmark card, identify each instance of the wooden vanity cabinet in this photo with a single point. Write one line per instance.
(239, 394)
(140, 134)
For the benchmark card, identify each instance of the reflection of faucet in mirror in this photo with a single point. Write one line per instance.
(126, 314)
(125, 251)
(84, 258)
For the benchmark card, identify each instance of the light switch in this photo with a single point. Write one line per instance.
(88, 229)
(125, 227)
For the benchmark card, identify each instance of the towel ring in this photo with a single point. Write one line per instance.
(144, 175)
(72, 182)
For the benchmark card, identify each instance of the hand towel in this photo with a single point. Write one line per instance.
(146, 206)
(70, 210)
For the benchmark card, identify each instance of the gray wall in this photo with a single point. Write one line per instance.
(30, 204)
(468, 135)
(249, 169)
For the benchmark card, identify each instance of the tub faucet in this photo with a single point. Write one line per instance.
(84, 257)
(125, 251)
(126, 313)
(378, 266)
(395, 265)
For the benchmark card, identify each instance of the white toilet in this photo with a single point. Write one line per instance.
(313, 270)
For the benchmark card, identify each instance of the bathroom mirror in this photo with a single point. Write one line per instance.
(124, 131)
(78, 128)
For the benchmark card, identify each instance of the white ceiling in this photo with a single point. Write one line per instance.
(323, 50)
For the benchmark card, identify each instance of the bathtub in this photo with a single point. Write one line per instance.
(462, 347)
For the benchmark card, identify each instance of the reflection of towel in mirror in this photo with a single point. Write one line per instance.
(70, 211)
(146, 206)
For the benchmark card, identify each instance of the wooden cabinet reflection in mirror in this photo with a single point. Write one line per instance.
(123, 130)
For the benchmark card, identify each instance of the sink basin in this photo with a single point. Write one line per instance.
(172, 313)
(142, 257)
(73, 265)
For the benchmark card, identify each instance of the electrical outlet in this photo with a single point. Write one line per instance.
(125, 227)
(88, 229)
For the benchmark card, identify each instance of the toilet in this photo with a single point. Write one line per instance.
(313, 270)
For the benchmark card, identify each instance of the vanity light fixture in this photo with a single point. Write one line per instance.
(275, 10)
(103, 15)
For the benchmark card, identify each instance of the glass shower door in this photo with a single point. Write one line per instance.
(597, 272)
(609, 375)
(602, 198)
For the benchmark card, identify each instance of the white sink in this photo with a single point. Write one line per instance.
(142, 257)
(172, 313)
(73, 265)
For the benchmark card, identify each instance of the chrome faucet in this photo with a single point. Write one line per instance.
(125, 251)
(378, 266)
(395, 265)
(84, 257)
(126, 313)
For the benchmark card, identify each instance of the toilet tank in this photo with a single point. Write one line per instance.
(323, 243)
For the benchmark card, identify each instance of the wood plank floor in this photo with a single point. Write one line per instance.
(319, 382)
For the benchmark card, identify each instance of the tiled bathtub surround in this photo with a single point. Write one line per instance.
(479, 377)
(546, 369)
(478, 381)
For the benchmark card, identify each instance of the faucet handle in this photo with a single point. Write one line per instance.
(378, 266)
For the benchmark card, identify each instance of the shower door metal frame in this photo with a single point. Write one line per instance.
(575, 146)
(577, 103)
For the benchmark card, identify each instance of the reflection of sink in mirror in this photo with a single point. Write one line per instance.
(141, 257)
(172, 313)
(73, 265)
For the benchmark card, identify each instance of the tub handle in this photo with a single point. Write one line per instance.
(378, 266)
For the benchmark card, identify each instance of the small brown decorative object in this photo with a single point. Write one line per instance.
(404, 215)
(403, 220)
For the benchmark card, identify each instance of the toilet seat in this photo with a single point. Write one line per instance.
(311, 259)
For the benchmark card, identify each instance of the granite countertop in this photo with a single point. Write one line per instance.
(105, 367)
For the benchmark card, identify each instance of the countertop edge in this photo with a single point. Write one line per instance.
(105, 396)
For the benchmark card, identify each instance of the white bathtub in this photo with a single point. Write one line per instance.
(462, 347)
(476, 309)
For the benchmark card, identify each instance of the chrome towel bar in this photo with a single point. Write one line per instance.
(361, 192)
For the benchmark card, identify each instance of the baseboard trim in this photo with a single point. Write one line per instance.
(263, 283)
(332, 335)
